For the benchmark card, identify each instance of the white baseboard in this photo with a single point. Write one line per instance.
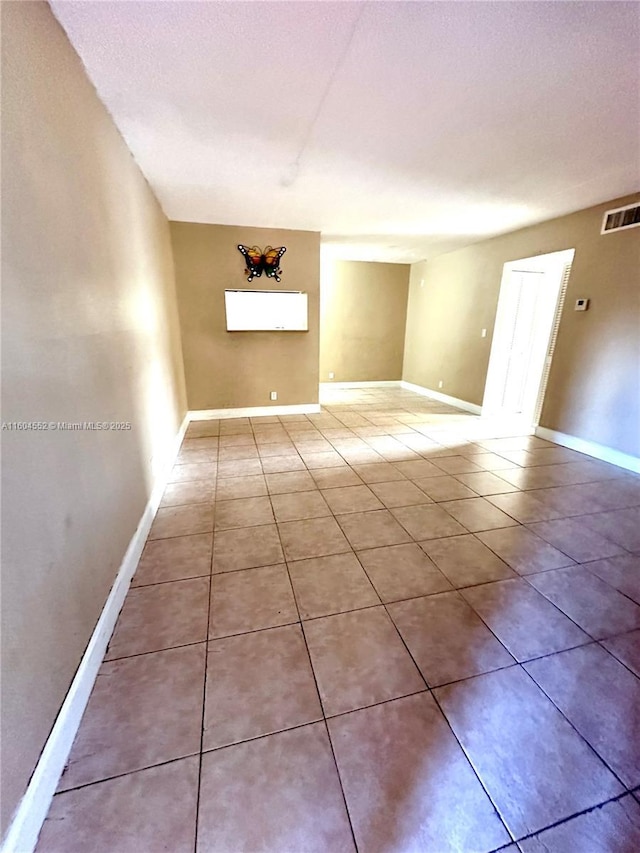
(599, 451)
(390, 383)
(25, 827)
(253, 412)
(443, 398)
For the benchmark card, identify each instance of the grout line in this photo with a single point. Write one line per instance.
(255, 630)
(526, 579)
(376, 704)
(303, 621)
(579, 733)
(180, 535)
(126, 773)
(254, 738)
(567, 615)
(577, 814)
(155, 651)
(415, 663)
(533, 533)
(475, 772)
(204, 696)
(621, 662)
(315, 680)
(169, 580)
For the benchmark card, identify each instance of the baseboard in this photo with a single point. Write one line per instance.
(253, 412)
(25, 827)
(599, 451)
(442, 398)
(390, 383)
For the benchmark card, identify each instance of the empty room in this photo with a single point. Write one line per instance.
(320, 426)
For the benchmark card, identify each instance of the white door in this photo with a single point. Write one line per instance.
(525, 292)
(525, 317)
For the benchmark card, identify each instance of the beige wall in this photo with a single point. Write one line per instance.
(89, 333)
(240, 369)
(363, 313)
(594, 386)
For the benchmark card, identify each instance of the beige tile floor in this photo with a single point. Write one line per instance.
(388, 627)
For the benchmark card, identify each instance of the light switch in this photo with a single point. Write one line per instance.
(483, 333)
(581, 304)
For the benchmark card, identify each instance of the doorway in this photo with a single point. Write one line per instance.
(529, 308)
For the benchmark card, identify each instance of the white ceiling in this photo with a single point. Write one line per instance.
(397, 129)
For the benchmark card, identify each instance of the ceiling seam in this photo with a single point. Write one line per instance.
(292, 172)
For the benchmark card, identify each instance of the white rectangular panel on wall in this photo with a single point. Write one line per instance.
(266, 311)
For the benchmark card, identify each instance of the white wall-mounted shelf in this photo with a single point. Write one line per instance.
(266, 310)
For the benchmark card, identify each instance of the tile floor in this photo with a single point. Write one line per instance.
(388, 627)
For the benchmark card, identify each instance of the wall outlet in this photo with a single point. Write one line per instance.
(274, 395)
(332, 375)
(440, 383)
(483, 333)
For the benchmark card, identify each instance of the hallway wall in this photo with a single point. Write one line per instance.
(239, 369)
(89, 333)
(363, 313)
(594, 385)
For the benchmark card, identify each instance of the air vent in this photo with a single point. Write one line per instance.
(621, 218)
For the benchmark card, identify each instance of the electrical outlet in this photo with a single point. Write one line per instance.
(483, 333)
(332, 375)
(274, 395)
(440, 383)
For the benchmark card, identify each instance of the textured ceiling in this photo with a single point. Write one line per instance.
(397, 129)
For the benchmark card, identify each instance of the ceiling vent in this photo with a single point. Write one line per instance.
(621, 218)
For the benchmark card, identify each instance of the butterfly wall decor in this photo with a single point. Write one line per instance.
(258, 262)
